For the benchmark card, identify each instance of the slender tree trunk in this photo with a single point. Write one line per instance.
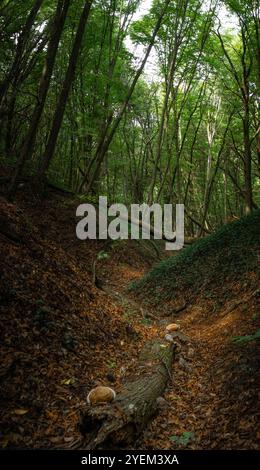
(247, 162)
(257, 38)
(243, 85)
(62, 101)
(191, 157)
(29, 142)
(246, 127)
(14, 71)
(211, 180)
(8, 132)
(104, 146)
(163, 116)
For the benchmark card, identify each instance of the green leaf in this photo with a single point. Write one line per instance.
(246, 338)
(184, 439)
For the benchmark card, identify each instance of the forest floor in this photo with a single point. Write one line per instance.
(212, 399)
(61, 335)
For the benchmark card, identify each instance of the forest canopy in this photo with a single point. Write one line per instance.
(142, 101)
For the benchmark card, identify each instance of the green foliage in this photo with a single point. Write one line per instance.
(196, 162)
(146, 321)
(241, 340)
(102, 255)
(184, 439)
(111, 364)
(229, 254)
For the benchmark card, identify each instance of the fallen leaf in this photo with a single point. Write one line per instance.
(20, 411)
(55, 439)
(51, 415)
(67, 382)
(68, 439)
(5, 442)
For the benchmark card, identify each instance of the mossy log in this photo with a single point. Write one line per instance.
(120, 422)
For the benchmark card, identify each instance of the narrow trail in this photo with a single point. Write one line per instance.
(186, 372)
(202, 404)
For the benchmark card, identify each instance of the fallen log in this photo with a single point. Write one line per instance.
(119, 423)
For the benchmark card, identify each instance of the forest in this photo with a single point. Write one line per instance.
(140, 101)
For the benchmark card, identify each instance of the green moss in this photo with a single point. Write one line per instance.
(210, 263)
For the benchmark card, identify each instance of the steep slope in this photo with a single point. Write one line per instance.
(216, 268)
(59, 334)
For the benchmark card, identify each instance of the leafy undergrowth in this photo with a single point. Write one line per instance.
(59, 334)
(217, 268)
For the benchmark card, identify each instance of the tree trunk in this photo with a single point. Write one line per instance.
(247, 161)
(28, 145)
(243, 85)
(211, 180)
(105, 144)
(246, 125)
(60, 109)
(121, 422)
(169, 84)
(13, 73)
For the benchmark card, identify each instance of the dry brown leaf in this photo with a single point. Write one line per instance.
(55, 439)
(20, 411)
(68, 439)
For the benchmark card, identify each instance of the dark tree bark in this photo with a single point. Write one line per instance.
(243, 85)
(212, 177)
(246, 126)
(236, 184)
(122, 421)
(29, 142)
(14, 71)
(108, 136)
(60, 109)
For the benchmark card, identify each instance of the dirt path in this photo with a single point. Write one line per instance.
(211, 399)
